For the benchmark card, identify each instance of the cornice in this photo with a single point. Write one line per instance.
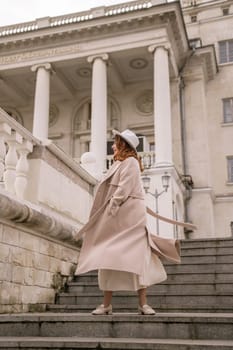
(201, 65)
(198, 7)
(80, 32)
(106, 25)
(209, 57)
(84, 16)
(73, 44)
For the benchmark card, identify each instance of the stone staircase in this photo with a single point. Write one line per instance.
(194, 310)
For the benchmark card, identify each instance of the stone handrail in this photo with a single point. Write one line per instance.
(71, 163)
(76, 17)
(35, 219)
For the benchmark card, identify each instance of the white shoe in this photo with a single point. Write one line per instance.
(146, 310)
(101, 310)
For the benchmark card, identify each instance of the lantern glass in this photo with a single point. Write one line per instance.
(165, 181)
(146, 183)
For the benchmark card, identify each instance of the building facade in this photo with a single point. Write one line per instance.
(161, 68)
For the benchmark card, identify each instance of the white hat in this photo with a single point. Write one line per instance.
(128, 136)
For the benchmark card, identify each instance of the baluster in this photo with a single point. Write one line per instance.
(4, 130)
(11, 161)
(22, 168)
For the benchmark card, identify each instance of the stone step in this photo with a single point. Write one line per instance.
(60, 343)
(207, 243)
(213, 277)
(127, 308)
(195, 298)
(209, 251)
(200, 268)
(187, 326)
(181, 288)
(173, 277)
(206, 259)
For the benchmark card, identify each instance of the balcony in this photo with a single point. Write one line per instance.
(147, 158)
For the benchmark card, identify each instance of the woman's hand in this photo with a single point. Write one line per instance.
(113, 207)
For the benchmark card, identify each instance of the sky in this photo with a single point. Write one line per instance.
(18, 11)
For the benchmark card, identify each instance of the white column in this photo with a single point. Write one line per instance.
(41, 101)
(162, 106)
(99, 109)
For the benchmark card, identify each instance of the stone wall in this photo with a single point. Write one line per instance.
(37, 256)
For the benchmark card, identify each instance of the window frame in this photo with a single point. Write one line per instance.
(225, 51)
(227, 118)
(230, 169)
(226, 11)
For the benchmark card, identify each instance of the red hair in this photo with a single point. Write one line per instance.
(124, 150)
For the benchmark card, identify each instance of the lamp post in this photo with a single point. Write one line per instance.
(146, 185)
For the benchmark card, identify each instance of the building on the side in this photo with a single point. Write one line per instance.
(161, 68)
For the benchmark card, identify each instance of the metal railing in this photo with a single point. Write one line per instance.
(147, 158)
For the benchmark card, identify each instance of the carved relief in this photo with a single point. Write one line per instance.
(84, 72)
(53, 114)
(144, 103)
(138, 63)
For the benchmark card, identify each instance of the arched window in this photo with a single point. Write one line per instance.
(81, 126)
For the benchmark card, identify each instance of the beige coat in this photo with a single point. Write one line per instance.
(116, 236)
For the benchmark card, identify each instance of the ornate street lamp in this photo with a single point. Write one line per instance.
(146, 185)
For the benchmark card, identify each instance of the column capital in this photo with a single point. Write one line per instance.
(104, 57)
(46, 66)
(166, 46)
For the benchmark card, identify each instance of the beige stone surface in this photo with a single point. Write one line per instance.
(30, 262)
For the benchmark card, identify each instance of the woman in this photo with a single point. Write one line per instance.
(116, 240)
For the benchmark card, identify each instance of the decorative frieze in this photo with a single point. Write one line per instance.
(37, 54)
(144, 102)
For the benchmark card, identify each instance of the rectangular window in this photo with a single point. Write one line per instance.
(195, 43)
(230, 168)
(225, 11)
(226, 51)
(227, 110)
(193, 18)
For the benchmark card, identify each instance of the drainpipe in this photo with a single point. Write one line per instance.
(183, 135)
(183, 140)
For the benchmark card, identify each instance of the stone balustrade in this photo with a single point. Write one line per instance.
(15, 145)
(77, 17)
(41, 173)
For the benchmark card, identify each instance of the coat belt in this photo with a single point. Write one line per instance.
(170, 221)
